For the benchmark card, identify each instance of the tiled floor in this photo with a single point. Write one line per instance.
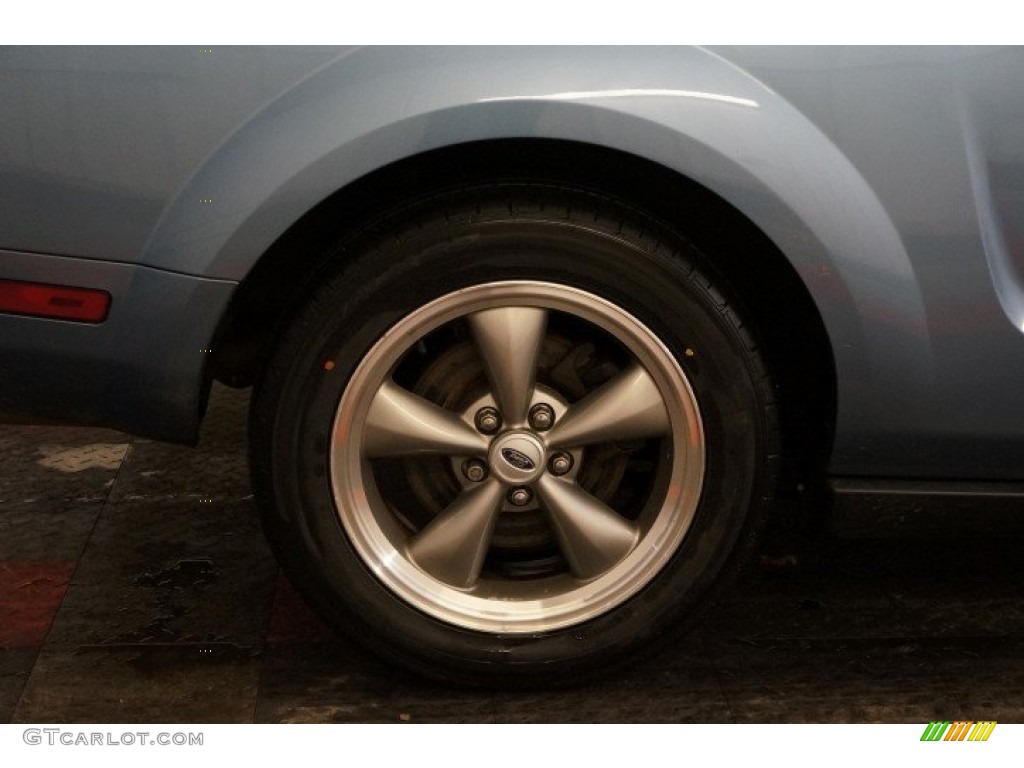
(135, 586)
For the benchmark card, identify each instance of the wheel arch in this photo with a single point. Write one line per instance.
(775, 299)
(376, 128)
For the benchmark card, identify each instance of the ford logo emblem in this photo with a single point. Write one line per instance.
(517, 459)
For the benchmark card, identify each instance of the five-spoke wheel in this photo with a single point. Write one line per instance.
(441, 560)
(514, 436)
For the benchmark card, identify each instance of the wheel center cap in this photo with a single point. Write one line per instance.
(517, 457)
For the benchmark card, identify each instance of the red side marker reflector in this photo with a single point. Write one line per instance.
(57, 301)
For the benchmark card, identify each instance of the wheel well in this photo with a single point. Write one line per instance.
(774, 299)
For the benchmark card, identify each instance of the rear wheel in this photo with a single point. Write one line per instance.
(516, 435)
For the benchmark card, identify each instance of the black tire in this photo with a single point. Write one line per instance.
(347, 487)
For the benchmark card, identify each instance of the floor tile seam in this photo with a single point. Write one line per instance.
(71, 577)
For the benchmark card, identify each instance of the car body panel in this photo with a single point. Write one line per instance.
(937, 134)
(887, 177)
(96, 141)
(141, 370)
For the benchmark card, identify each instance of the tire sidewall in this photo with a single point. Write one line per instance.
(650, 275)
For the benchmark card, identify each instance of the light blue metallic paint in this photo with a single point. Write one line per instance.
(685, 109)
(141, 370)
(937, 134)
(870, 169)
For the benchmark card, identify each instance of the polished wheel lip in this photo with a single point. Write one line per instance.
(510, 606)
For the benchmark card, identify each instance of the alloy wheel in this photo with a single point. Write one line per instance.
(483, 499)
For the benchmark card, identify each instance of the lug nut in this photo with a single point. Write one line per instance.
(560, 463)
(488, 420)
(520, 497)
(474, 470)
(542, 417)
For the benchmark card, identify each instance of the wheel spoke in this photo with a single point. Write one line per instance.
(400, 424)
(509, 340)
(592, 537)
(627, 407)
(452, 548)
